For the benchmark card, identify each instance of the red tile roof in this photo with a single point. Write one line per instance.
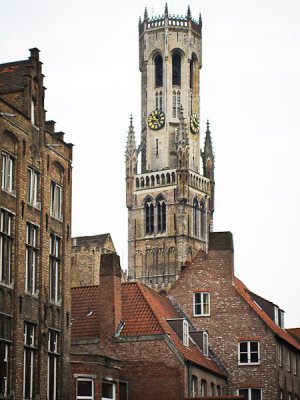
(295, 332)
(85, 312)
(145, 313)
(283, 334)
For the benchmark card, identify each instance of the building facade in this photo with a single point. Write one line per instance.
(169, 181)
(86, 255)
(246, 331)
(35, 239)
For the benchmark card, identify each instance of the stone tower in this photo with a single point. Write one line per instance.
(170, 197)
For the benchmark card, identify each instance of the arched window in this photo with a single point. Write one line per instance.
(149, 216)
(176, 69)
(203, 220)
(193, 70)
(161, 215)
(195, 217)
(158, 61)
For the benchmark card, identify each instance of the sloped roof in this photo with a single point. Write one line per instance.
(96, 240)
(145, 313)
(85, 312)
(12, 75)
(295, 332)
(283, 334)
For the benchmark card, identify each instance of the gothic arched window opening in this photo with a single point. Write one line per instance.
(149, 216)
(196, 217)
(158, 61)
(176, 69)
(161, 215)
(203, 220)
(176, 104)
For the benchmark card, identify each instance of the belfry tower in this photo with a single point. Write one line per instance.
(170, 200)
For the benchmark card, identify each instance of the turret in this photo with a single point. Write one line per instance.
(209, 167)
(131, 163)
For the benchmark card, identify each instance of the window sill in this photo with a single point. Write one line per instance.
(13, 193)
(248, 364)
(55, 303)
(36, 206)
(57, 218)
(201, 315)
(7, 285)
(32, 295)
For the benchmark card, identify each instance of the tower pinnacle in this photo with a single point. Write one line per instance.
(189, 14)
(166, 10)
(131, 144)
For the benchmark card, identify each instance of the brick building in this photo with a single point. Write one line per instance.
(35, 239)
(129, 342)
(246, 331)
(86, 254)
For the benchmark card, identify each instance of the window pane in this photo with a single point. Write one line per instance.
(244, 392)
(84, 388)
(107, 390)
(243, 347)
(255, 394)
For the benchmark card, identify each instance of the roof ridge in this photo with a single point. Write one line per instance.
(142, 288)
(84, 287)
(282, 333)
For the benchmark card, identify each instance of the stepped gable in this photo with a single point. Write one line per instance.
(283, 334)
(145, 313)
(85, 312)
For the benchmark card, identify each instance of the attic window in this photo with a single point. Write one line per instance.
(205, 344)
(185, 333)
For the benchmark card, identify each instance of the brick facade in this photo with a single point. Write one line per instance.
(235, 318)
(39, 159)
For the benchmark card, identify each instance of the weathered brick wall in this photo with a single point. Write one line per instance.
(231, 320)
(26, 143)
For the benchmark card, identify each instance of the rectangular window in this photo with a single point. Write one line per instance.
(32, 187)
(6, 241)
(176, 104)
(288, 360)
(5, 340)
(276, 315)
(294, 364)
(56, 200)
(31, 258)
(55, 244)
(201, 304)
(85, 389)
(29, 359)
(205, 344)
(52, 364)
(250, 394)
(203, 388)
(279, 352)
(249, 352)
(185, 333)
(108, 390)
(7, 173)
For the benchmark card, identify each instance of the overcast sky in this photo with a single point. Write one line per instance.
(250, 92)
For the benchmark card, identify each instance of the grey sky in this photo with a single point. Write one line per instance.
(250, 92)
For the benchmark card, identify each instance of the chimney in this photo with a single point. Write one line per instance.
(110, 296)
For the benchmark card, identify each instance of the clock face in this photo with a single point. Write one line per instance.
(156, 120)
(194, 123)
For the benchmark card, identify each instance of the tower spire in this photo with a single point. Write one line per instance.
(189, 14)
(146, 14)
(131, 144)
(166, 10)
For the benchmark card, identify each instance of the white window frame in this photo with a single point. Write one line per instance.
(54, 354)
(56, 196)
(288, 361)
(33, 187)
(31, 247)
(29, 348)
(279, 350)
(194, 384)
(185, 333)
(294, 363)
(250, 392)
(276, 315)
(205, 344)
(85, 397)
(202, 303)
(249, 352)
(7, 183)
(114, 390)
(5, 235)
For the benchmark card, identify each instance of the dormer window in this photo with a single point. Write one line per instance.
(185, 333)
(276, 315)
(205, 344)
